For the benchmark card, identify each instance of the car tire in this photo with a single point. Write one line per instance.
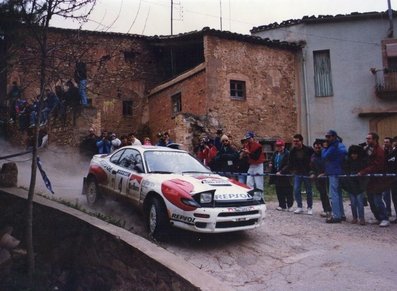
(92, 192)
(157, 220)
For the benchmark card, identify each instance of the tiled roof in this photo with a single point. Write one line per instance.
(323, 19)
(191, 35)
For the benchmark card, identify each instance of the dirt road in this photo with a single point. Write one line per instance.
(290, 251)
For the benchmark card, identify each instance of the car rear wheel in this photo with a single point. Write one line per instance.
(158, 222)
(92, 193)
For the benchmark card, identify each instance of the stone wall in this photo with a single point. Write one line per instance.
(120, 68)
(270, 105)
(74, 255)
(194, 101)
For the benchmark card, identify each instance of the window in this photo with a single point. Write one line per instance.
(127, 108)
(237, 89)
(176, 103)
(322, 73)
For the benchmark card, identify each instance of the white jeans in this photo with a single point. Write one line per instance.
(255, 181)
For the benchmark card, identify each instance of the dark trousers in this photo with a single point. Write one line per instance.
(285, 196)
(394, 196)
(372, 205)
(321, 185)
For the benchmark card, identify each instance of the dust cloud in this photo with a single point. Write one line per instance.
(64, 166)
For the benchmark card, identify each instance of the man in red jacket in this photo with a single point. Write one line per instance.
(375, 186)
(256, 157)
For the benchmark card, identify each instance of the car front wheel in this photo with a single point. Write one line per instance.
(158, 222)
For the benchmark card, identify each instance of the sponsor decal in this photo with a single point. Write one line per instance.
(240, 209)
(135, 182)
(123, 173)
(106, 166)
(215, 182)
(238, 196)
(183, 218)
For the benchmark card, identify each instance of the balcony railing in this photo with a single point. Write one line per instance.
(385, 83)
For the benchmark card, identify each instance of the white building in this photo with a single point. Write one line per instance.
(338, 88)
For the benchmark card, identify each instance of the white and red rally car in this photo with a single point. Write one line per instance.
(173, 188)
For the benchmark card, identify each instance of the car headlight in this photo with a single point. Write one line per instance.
(206, 197)
(190, 202)
(256, 194)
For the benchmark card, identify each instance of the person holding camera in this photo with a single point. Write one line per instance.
(103, 143)
(207, 152)
(227, 157)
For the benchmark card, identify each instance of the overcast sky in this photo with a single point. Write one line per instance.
(152, 17)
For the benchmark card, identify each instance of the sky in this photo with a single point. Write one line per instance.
(153, 17)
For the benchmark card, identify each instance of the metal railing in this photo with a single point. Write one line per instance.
(385, 81)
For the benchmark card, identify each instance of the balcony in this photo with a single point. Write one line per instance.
(385, 83)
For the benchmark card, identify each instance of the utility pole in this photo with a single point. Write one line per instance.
(220, 9)
(172, 11)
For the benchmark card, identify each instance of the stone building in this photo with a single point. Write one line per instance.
(189, 84)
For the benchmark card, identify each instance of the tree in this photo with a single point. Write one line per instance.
(35, 16)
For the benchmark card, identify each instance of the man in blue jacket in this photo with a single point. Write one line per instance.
(333, 156)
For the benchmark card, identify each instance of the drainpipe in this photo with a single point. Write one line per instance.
(305, 96)
(390, 13)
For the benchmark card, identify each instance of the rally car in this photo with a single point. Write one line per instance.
(172, 188)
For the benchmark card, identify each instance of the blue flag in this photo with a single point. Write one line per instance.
(44, 175)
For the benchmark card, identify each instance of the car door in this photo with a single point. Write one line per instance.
(129, 177)
(112, 170)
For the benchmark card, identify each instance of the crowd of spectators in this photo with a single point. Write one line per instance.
(366, 172)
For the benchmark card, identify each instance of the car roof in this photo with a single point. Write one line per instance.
(150, 148)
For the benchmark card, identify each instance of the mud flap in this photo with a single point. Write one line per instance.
(84, 190)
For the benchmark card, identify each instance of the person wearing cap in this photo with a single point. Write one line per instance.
(299, 165)
(227, 157)
(333, 156)
(278, 167)
(316, 171)
(376, 185)
(256, 157)
(88, 145)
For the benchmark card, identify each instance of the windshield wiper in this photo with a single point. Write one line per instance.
(199, 172)
(160, 172)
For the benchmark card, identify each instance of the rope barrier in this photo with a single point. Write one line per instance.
(309, 177)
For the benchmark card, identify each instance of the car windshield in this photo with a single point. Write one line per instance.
(172, 162)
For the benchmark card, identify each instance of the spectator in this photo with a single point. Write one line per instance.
(217, 140)
(80, 76)
(13, 96)
(88, 145)
(103, 143)
(316, 172)
(60, 93)
(242, 166)
(72, 97)
(124, 141)
(391, 167)
(133, 140)
(164, 139)
(256, 157)
(299, 165)
(333, 156)
(375, 186)
(207, 153)
(115, 142)
(147, 141)
(387, 147)
(226, 158)
(355, 186)
(279, 166)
